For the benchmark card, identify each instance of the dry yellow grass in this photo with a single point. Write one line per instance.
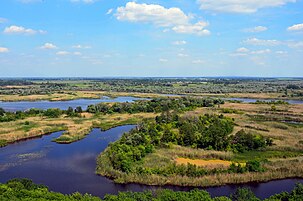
(75, 128)
(203, 163)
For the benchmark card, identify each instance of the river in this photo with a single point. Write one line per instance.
(67, 168)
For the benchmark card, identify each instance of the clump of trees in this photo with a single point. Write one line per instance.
(244, 141)
(208, 131)
(154, 105)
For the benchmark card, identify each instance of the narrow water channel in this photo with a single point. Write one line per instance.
(71, 167)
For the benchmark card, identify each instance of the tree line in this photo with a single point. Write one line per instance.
(25, 189)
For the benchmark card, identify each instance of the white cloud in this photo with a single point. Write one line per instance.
(240, 6)
(48, 46)
(4, 50)
(151, 13)
(266, 51)
(21, 30)
(3, 20)
(256, 29)
(242, 50)
(173, 18)
(163, 60)
(81, 47)
(110, 11)
(182, 55)
(179, 42)
(83, 1)
(197, 29)
(296, 27)
(261, 42)
(63, 53)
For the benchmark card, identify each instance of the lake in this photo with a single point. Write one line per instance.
(68, 168)
(63, 105)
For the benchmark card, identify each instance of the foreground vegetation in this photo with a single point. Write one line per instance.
(24, 189)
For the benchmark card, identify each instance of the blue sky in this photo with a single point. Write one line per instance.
(98, 38)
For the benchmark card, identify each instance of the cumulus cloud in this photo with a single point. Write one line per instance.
(256, 29)
(179, 42)
(296, 27)
(21, 30)
(48, 46)
(261, 42)
(170, 18)
(4, 50)
(240, 6)
(198, 29)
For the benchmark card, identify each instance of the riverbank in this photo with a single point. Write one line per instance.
(76, 128)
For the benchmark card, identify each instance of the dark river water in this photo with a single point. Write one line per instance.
(68, 168)
(63, 105)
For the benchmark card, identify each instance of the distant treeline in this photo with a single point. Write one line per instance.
(291, 87)
(25, 189)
